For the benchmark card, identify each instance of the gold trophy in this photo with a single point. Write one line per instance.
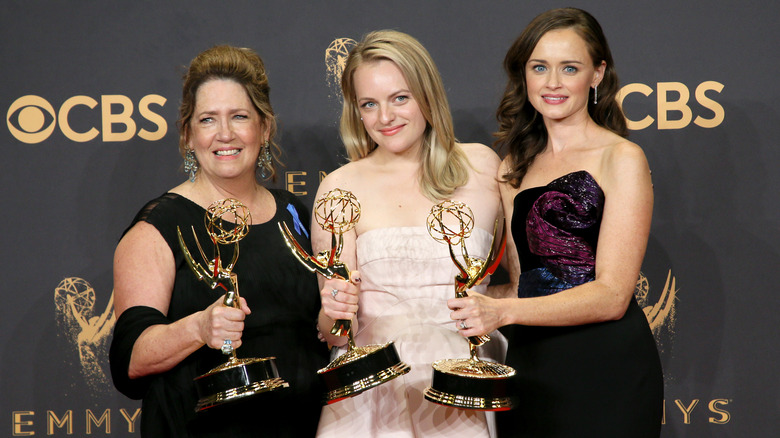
(468, 383)
(359, 368)
(236, 378)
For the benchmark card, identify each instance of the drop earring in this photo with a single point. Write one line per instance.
(595, 94)
(191, 164)
(264, 161)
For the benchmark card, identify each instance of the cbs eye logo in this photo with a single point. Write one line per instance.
(32, 119)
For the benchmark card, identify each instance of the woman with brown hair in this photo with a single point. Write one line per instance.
(173, 327)
(580, 201)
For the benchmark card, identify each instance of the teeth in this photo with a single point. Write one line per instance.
(230, 152)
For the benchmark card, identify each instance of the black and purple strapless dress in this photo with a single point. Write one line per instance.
(593, 380)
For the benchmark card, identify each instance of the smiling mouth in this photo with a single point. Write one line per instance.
(391, 131)
(227, 152)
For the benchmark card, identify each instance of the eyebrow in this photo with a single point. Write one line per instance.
(401, 91)
(544, 61)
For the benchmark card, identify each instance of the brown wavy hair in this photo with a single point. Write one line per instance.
(241, 65)
(521, 129)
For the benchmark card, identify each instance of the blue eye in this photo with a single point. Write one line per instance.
(368, 105)
(538, 68)
(402, 98)
(570, 69)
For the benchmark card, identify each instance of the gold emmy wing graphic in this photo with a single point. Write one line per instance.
(335, 59)
(468, 383)
(359, 368)
(74, 299)
(227, 222)
(661, 314)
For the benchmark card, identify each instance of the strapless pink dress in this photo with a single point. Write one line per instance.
(407, 278)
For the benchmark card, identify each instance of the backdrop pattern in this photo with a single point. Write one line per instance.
(90, 93)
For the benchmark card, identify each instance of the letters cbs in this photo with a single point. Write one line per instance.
(32, 119)
(674, 109)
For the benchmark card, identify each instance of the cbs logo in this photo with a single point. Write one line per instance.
(667, 106)
(32, 119)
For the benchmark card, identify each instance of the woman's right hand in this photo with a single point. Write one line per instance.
(339, 297)
(219, 323)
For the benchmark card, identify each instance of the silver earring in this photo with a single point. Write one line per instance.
(595, 94)
(264, 161)
(191, 164)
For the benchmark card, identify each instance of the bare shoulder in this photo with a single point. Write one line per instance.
(142, 233)
(624, 161)
(482, 157)
(342, 178)
(625, 155)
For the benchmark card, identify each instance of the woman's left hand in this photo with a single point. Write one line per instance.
(476, 314)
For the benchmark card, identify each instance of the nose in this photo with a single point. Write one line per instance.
(553, 79)
(225, 130)
(386, 114)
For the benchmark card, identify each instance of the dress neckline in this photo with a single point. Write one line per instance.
(410, 230)
(199, 207)
(584, 173)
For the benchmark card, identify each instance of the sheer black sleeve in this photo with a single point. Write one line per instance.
(128, 328)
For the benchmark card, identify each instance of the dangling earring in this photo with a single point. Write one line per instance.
(595, 94)
(264, 163)
(191, 164)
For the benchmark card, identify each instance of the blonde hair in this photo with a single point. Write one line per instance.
(241, 65)
(444, 164)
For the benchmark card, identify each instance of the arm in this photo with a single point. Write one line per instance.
(622, 242)
(345, 304)
(510, 261)
(483, 193)
(144, 273)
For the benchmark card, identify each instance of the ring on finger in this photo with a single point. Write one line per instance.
(462, 324)
(227, 346)
(334, 292)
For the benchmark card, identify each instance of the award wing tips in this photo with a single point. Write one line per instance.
(341, 327)
(196, 268)
(297, 249)
(496, 254)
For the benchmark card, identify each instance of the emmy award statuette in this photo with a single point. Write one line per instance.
(236, 378)
(359, 368)
(468, 383)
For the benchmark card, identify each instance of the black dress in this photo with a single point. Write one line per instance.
(594, 380)
(284, 299)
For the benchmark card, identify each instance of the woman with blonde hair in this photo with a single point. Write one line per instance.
(397, 130)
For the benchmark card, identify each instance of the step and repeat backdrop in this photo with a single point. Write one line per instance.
(90, 92)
